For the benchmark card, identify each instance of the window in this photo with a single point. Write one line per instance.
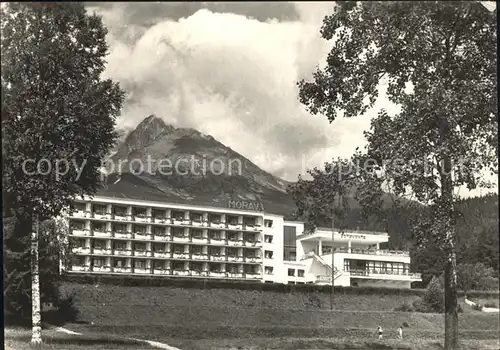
(178, 215)
(268, 238)
(159, 231)
(78, 260)
(195, 233)
(232, 252)
(249, 221)
(268, 254)
(97, 262)
(196, 266)
(250, 238)
(140, 212)
(120, 228)
(233, 268)
(179, 265)
(140, 229)
(196, 217)
(119, 263)
(158, 264)
(178, 249)
(289, 243)
(232, 236)
(159, 214)
(77, 242)
(99, 244)
(300, 273)
(77, 225)
(291, 272)
(214, 234)
(250, 269)
(178, 232)
(121, 211)
(214, 251)
(79, 206)
(99, 226)
(139, 264)
(196, 249)
(232, 220)
(140, 247)
(215, 267)
(119, 245)
(268, 223)
(215, 218)
(269, 270)
(250, 253)
(99, 209)
(159, 248)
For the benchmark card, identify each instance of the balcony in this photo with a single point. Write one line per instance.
(218, 258)
(101, 233)
(162, 237)
(101, 269)
(142, 235)
(417, 276)
(101, 251)
(123, 252)
(197, 222)
(181, 272)
(387, 274)
(161, 254)
(142, 253)
(235, 275)
(123, 234)
(252, 259)
(80, 214)
(177, 221)
(235, 258)
(80, 268)
(197, 273)
(217, 274)
(161, 272)
(253, 244)
(141, 270)
(81, 232)
(184, 239)
(199, 240)
(251, 227)
(216, 224)
(253, 275)
(180, 255)
(122, 269)
(162, 220)
(121, 217)
(199, 256)
(370, 251)
(234, 226)
(80, 250)
(142, 218)
(236, 243)
(102, 216)
(217, 241)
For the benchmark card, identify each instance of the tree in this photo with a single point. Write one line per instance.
(328, 196)
(476, 277)
(58, 114)
(438, 60)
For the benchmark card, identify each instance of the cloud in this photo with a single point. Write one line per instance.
(230, 71)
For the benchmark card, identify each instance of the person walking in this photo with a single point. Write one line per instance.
(400, 332)
(379, 331)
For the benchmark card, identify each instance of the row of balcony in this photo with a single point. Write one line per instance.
(166, 238)
(383, 252)
(165, 255)
(373, 273)
(166, 272)
(167, 221)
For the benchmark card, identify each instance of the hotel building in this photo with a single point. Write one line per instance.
(115, 236)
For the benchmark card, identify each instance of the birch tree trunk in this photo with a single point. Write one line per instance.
(36, 318)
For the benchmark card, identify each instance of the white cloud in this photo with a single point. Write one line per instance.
(233, 78)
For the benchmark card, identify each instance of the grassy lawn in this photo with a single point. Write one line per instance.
(19, 339)
(245, 319)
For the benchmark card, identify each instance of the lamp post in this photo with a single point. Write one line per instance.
(333, 267)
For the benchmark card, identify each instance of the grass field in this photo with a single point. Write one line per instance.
(245, 319)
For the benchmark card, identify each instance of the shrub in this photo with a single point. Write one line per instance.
(405, 324)
(433, 298)
(491, 304)
(406, 307)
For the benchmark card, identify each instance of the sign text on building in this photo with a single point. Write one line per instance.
(347, 235)
(246, 205)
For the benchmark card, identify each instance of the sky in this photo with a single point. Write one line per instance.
(230, 70)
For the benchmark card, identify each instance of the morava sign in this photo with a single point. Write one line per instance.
(347, 235)
(246, 205)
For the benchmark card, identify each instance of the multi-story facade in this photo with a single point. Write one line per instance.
(137, 237)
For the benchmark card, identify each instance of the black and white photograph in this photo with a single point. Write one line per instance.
(250, 175)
